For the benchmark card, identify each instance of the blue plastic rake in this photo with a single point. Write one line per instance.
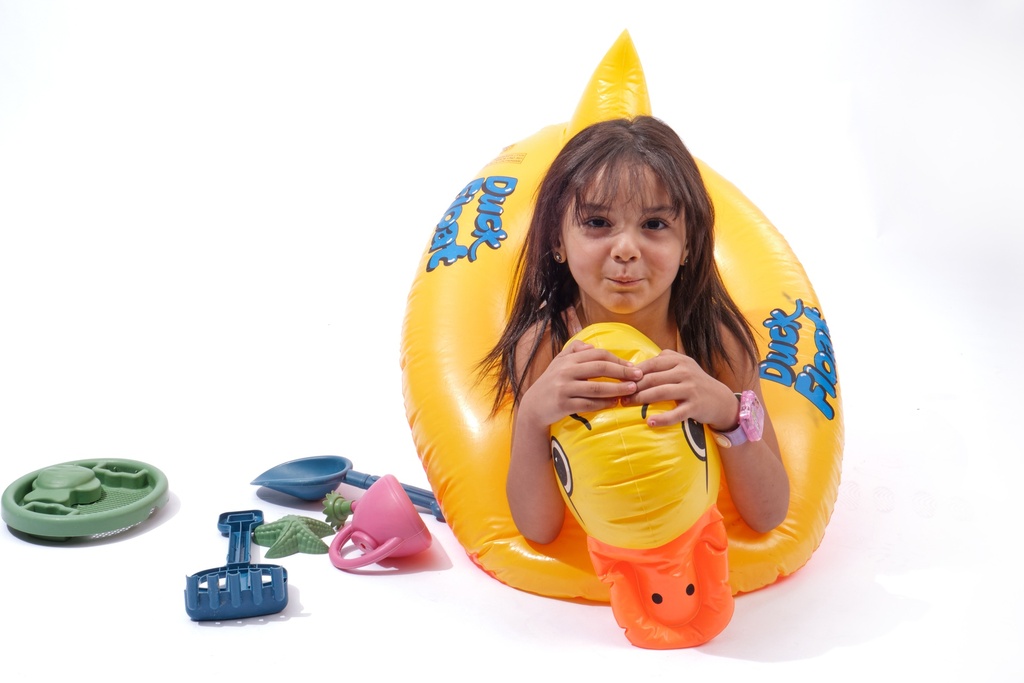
(238, 589)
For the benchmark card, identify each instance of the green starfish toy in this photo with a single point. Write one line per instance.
(292, 534)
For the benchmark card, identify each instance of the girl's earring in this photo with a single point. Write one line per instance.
(557, 256)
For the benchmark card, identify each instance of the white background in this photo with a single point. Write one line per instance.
(210, 217)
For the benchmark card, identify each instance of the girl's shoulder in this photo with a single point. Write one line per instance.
(533, 353)
(736, 368)
(535, 349)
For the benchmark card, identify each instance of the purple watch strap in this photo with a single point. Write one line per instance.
(735, 437)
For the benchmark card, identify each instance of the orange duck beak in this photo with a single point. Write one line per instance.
(673, 596)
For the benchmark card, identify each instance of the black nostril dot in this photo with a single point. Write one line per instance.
(656, 598)
(690, 589)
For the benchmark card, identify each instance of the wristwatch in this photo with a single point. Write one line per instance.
(751, 422)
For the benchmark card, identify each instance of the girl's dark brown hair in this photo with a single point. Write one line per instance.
(544, 288)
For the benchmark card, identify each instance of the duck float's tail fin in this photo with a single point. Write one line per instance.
(617, 89)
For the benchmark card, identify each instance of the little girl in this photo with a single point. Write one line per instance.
(622, 232)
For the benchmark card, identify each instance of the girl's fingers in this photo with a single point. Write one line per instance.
(592, 389)
(663, 361)
(669, 417)
(583, 352)
(606, 370)
(575, 347)
(653, 395)
(592, 405)
(586, 362)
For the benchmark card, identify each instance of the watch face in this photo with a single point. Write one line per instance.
(751, 416)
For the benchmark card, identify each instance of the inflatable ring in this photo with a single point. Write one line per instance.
(456, 311)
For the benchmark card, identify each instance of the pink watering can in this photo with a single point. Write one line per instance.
(384, 524)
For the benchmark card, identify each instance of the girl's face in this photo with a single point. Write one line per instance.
(624, 251)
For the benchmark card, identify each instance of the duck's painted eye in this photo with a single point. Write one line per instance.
(694, 432)
(562, 468)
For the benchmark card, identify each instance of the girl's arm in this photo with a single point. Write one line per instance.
(553, 388)
(758, 483)
(532, 488)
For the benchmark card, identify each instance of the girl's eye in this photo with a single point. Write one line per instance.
(655, 224)
(596, 223)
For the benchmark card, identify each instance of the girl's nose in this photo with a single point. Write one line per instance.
(625, 247)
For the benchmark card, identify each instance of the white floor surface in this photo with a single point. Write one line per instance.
(210, 216)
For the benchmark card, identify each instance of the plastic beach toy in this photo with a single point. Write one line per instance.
(84, 498)
(238, 589)
(314, 477)
(384, 524)
(293, 534)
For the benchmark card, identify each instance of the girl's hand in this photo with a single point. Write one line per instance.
(672, 376)
(565, 387)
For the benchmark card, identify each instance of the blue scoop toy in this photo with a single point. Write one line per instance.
(313, 478)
